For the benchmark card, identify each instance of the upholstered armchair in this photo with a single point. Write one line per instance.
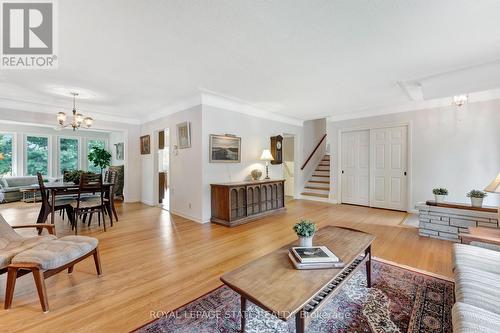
(12, 243)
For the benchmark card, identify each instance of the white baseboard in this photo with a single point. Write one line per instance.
(187, 216)
(149, 203)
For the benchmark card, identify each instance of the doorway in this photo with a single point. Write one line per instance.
(164, 168)
(374, 165)
(289, 165)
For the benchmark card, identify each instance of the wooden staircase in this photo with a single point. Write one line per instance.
(318, 185)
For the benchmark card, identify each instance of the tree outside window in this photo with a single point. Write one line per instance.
(68, 155)
(37, 155)
(6, 153)
(91, 143)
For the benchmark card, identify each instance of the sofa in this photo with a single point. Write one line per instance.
(11, 187)
(477, 279)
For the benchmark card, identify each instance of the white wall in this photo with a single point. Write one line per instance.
(456, 148)
(185, 167)
(255, 136)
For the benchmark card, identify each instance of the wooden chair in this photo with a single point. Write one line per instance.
(89, 183)
(109, 198)
(60, 204)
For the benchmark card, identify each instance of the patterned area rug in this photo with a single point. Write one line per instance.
(401, 300)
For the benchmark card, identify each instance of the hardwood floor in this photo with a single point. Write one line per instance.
(153, 261)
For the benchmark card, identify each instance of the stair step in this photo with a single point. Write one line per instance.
(317, 188)
(324, 164)
(315, 195)
(324, 176)
(319, 182)
(323, 170)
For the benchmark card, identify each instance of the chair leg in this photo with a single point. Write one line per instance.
(114, 211)
(103, 219)
(70, 269)
(97, 261)
(11, 284)
(107, 208)
(99, 218)
(40, 287)
(90, 219)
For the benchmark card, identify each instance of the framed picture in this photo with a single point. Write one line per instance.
(119, 151)
(225, 149)
(145, 145)
(184, 135)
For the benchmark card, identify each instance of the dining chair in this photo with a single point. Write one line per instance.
(60, 203)
(83, 205)
(109, 197)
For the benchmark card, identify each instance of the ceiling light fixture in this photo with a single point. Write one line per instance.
(78, 118)
(460, 100)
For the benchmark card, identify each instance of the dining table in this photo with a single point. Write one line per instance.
(63, 188)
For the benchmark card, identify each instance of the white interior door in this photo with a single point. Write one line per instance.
(388, 156)
(356, 167)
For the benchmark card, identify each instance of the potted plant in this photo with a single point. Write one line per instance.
(439, 194)
(100, 157)
(476, 197)
(73, 176)
(305, 229)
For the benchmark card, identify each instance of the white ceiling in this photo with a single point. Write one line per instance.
(302, 59)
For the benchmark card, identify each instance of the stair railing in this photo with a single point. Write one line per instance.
(312, 154)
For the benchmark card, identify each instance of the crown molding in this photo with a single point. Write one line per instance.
(415, 106)
(164, 111)
(214, 99)
(49, 108)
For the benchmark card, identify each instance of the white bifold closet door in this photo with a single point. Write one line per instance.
(388, 168)
(355, 164)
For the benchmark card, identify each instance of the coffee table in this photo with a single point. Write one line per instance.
(272, 283)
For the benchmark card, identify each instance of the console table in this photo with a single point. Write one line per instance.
(241, 202)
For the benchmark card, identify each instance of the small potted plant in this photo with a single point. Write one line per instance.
(305, 229)
(476, 197)
(439, 194)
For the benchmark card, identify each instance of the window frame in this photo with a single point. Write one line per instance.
(58, 152)
(13, 166)
(49, 153)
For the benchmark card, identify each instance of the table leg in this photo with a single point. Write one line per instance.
(243, 312)
(368, 252)
(300, 322)
(53, 203)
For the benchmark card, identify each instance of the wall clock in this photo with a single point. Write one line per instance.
(277, 149)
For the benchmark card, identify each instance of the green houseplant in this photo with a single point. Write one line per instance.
(476, 197)
(305, 229)
(439, 194)
(73, 176)
(100, 157)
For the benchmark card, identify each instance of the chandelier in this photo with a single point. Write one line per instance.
(78, 118)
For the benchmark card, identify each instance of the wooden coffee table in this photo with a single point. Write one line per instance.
(272, 282)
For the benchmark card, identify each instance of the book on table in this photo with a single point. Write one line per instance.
(315, 257)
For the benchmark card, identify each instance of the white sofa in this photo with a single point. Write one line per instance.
(477, 288)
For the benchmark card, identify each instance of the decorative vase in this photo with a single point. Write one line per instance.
(256, 174)
(476, 202)
(306, 241)
(439, 197)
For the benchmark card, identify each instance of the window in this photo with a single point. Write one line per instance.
(6, 148)
(94, 143)
(37, 155)
(68, 155)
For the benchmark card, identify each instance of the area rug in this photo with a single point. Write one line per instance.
(400, 300)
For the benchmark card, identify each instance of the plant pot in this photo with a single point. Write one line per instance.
(306, 241)
(476, 202)
(439, 197)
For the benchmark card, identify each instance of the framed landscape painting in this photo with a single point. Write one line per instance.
(145, 145)
(225, 149)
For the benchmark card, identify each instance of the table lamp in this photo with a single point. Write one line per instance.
(266, 156)
(494, 187)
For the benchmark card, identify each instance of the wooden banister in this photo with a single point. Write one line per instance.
(311, 155)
